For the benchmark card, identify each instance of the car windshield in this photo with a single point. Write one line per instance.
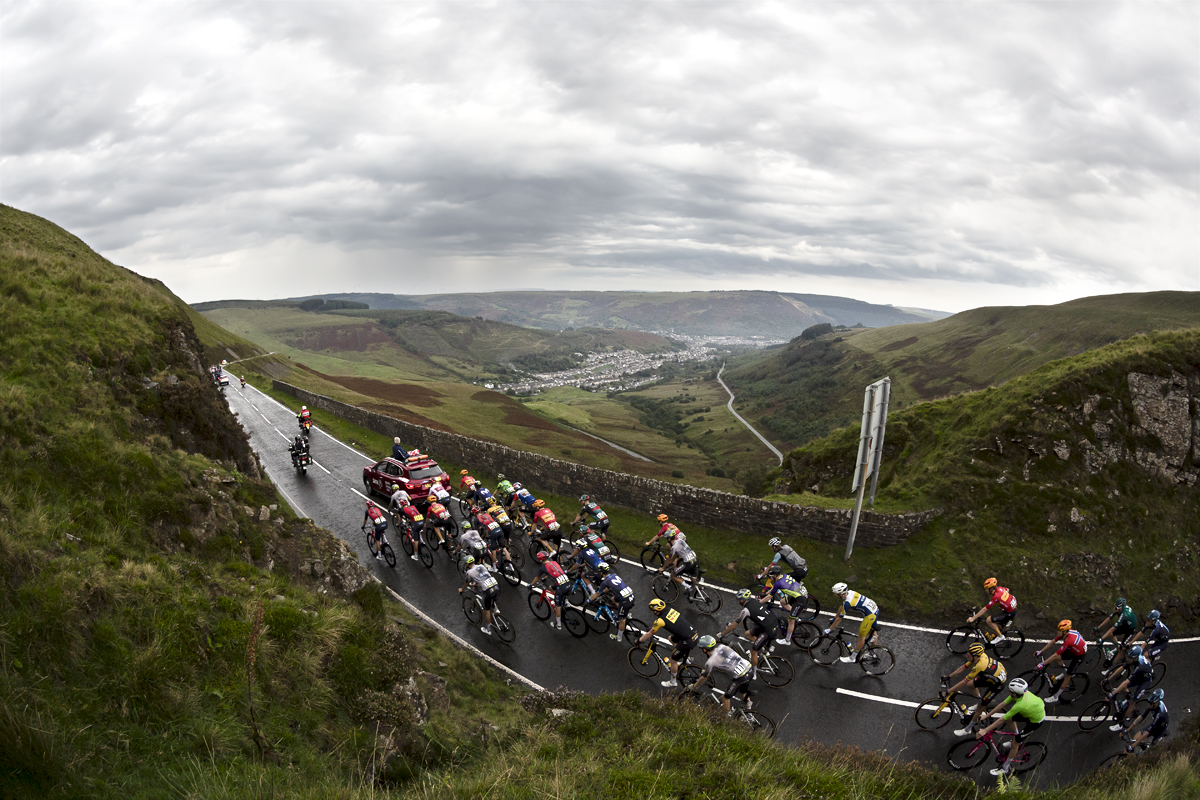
(425, 472)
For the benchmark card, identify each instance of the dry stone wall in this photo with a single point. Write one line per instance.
(684, 503)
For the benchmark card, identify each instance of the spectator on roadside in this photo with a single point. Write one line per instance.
(398, 451)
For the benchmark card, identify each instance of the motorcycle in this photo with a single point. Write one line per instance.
(305, 425)
(300, 458)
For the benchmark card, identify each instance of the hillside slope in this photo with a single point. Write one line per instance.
(807, 388)
(1086, 470)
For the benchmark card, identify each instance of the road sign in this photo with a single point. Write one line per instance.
(870, 448)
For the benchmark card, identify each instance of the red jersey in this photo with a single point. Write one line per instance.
(1003, 598)
(1073, 643)
(305, 415)
(466, 482)
(484, 521)
(438, 510)
(376, 516)
(555, 571)
(412, 513)
(668, 530)
(544, 517)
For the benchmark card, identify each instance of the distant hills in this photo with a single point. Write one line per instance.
(772, 315)
(805, 389)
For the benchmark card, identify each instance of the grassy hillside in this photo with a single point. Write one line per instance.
(1030, 498)
(807, 388)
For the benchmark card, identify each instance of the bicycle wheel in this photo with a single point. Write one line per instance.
(775, 671)
(961, 638)
(510, 573)
(651, 558)
(634, 628)
(389, 555)
(425, 554)
(1012, 644)
(1113, 760)
(574, 622)
(934, 714)
(812, 607)
(1115, 676)
(826, 651)
(1036, 680)
(1091, 659)
(615, 550)
(472, 609)
(517, 557)
(759, 723)
(967, 754)
(805, 635)
(539, 605)
(1160, 672)
(406, 541)
(597, 618)
(1095, 715)
(1077, 685)
(578, 594)
(429, 535)
(504, 628)
(688, 674)
(664, 588)
(877, 660)
(646, 665)
(707, 600)
(1032, 754)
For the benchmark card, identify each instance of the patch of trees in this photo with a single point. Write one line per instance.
(540, 362)
(813, 331)
(320, 304)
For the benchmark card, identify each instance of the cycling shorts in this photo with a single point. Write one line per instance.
(1157, 730)
(988, 683)
(739, 686)
(623, 610)
(1153, 651)
(495, 539)
(1004, 618)
(682, 649)
(1025, 727)
(553, 537)
(1124, 629)
(1072, 662)
(865, 627)
(561, 592)
(799, 606)
(598, 527)
(761, 638)
(686, 568)
(489, 598)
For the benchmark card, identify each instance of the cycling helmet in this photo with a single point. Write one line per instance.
(499, 476)
(542, 556)
(304, 408)
(370, 504)
(1135, 651)
(1064, 625)
(774, 569)
(1017, 686)
(840, 588)
(432, 497)
(1153, 615)
(462, 472)
(707, 642)
(976, 649)
(662, 517)
(1157, 695)
(395, 487)
(1120, 604)
(657, 605)
(539, 503)
(469, 560)
(517, 486)
(580, 543)
(583, 498)
(990, 584)
(603, 566)
(744, 594)
(774, 542)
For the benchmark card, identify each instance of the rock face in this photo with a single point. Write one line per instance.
(1162, 407)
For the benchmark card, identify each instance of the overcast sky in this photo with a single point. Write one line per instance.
(944, 155)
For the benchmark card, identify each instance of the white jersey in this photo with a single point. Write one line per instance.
(471, 540)
(680, 548)
(400, 499)
(726, 659)
(483, 579)
(440, 492)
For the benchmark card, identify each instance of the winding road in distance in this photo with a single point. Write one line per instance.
(749, 427)
(836, 704)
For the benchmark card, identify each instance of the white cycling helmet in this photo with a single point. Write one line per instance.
(1018, 686)
(774, 542)
(840, 588)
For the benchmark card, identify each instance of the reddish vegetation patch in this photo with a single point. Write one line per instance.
(406, 393)
(900, 345)
(352, 338)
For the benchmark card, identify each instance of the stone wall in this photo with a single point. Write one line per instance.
(683, 503)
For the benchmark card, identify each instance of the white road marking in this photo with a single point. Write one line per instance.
(910, 704)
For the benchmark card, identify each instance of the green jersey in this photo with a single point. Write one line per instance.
(1028, 705)
(1126, 620)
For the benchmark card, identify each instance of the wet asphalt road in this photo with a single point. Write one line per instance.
(814, 706)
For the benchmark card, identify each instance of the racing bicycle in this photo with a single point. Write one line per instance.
(972, 752)
(960, 639)
(875, 659)
(706, 599)
(472, 606)
(389, 555)
(541, 603)
(756, 721)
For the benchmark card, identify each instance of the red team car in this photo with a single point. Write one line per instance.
(414, 475)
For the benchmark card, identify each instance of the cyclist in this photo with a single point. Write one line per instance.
(682, 561)
(1156, 635)
(496, 511)
(792, 597)
(726, 659)
(439, 493)
(494, 533)
(1160, 719)
(1008, 609)
(439, 516)
(1027, 707)
(399, 500)
(764, 625)
(788, 556)
(466, 484)
(853, 601)
(487, 587)
(471, 543)
(1141, 675)
(520, 503)
(379, 525)
(504, 487)
(619, 593)
(599, 523)
(1124, 625)
(558, 580)
(586, 563)
(1070, 654)
(683, 637)
(598, 544)
(985, 677)
(667, 530)
(398, 451)
(545, 527)
(412, 518)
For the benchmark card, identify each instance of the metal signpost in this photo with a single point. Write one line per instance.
(870, 448)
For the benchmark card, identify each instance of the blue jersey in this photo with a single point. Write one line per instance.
(524, 496)
(589, 557)
(620, 590)
(1160, 633)
(1143, 671)
(1159, 716)
(787, 588)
